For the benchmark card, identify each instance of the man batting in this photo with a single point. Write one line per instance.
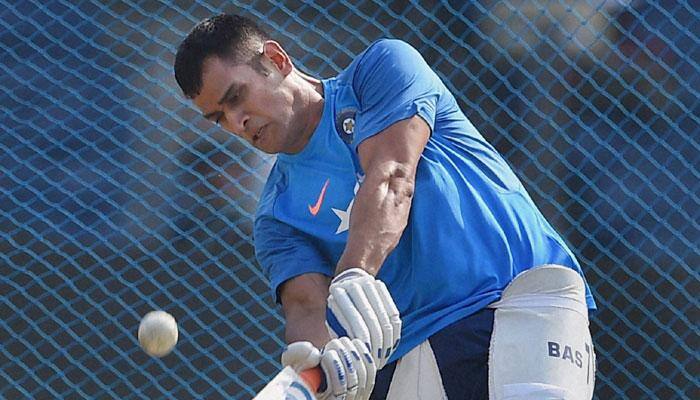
(409, 260)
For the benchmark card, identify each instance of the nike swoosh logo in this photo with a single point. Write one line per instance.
(317, 207)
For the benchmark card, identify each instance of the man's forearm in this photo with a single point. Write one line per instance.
(304, 307)
(378, 219)
(304, 324)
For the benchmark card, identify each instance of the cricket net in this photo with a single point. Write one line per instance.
(116, 198)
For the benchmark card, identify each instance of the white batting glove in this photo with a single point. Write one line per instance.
(301, 356)
(347, 365)
(349, 368)
(366, 310)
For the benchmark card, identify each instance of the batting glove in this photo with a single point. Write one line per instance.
(301, 356)
(348, 367)
(366, 310)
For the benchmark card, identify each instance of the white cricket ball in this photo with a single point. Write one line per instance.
(158, 333)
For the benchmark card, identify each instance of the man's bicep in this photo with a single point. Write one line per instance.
(400, 144)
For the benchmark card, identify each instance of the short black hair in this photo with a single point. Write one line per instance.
(231, 37)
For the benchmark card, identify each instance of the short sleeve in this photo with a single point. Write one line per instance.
(392, 82)
(284, 253)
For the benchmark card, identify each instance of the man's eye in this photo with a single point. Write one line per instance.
(236, 96)
(218, 120)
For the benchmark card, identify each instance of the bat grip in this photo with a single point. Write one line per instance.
(313, 377)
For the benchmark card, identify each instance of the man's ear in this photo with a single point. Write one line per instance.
(279, 59)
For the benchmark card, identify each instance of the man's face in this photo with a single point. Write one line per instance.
(260, 107)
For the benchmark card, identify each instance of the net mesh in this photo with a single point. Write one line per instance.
(116, 198)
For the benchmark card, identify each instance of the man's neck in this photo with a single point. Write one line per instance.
(316, 83)
(313, 98)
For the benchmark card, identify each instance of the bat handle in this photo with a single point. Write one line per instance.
(313, 377)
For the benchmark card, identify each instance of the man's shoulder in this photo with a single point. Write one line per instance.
(383, 46)
(377, 51)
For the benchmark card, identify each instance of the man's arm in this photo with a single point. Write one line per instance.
(304, 305)
(362, 304)
(380, 212)
(347, 363)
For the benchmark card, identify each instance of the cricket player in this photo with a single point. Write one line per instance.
(409, 261)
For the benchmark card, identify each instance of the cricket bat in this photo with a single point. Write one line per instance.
(288, 385)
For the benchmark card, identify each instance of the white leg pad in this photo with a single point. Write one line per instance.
(541, 345)
(535, 391)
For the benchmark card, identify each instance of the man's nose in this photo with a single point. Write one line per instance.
(239, 123)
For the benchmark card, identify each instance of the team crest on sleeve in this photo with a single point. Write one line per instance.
(345, 124)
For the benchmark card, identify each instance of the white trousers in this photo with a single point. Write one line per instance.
(417, 376)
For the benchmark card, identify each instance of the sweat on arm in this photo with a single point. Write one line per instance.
(383, 202)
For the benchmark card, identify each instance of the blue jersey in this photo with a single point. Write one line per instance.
(472, 227)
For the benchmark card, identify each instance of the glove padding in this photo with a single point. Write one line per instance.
(348, 367)
(366, 310)
(301, 356)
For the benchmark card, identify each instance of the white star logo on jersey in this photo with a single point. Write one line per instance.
(344, 215)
